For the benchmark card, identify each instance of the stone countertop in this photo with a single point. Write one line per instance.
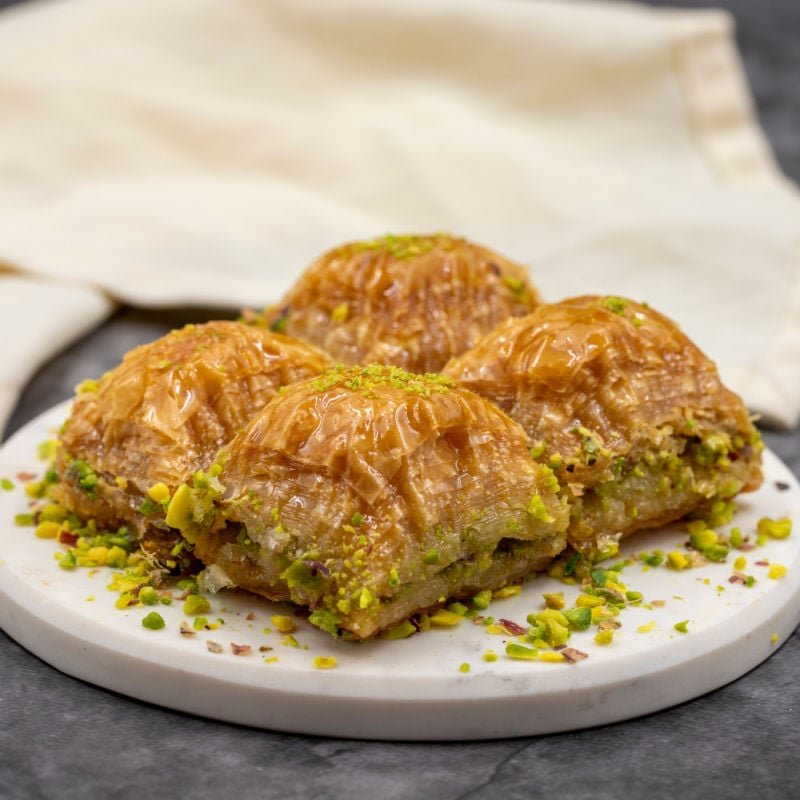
(62, 738)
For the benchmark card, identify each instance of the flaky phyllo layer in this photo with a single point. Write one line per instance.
(370, 493)
(142, 430)
(409, 301)
(627, 411)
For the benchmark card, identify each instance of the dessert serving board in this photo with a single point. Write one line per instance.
(435, 685)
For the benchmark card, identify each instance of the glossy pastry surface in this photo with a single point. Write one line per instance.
(165, 411)
(370, 493)
(620, 402)
(411, 301)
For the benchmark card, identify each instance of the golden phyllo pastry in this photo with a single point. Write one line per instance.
(370, 493)
(410, 301)
(135, 435)
(623, 406)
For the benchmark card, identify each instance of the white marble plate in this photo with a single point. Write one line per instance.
(409, 689)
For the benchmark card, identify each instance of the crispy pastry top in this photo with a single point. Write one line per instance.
(171, 404)
(411, 301)
(602, 367)
(385, 478)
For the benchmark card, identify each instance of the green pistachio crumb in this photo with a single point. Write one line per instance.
(615, 304)
(196, 604)
(482, 599)
(682, 627)
(148, 507)
(775, 528)
(401, 631)
(579, 618)
(520, 652)
(329, 621)
(538, 510)
(80, 472)
(153, 621)
(148, 596)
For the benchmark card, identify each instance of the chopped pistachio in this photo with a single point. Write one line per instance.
(401, 631)
(482, 599)
(717, 552)
(615, 304)
(654, 559)
(283, 624)
(579, 618)
(552, 657)
(48, 530)
(554, 600)
(149, 507)
(682, 627)
(588, 600)
(538, 510)
(324, 662)
(703, 538)
(506, 591)
(445, 619)
(647, 627)
(775, 528)
(677, 560)
(153, 621)
(196, 604)
(604, 637)
(521, 652)
(148, 596)
(777, 571)
(53, 512)
(159, 493)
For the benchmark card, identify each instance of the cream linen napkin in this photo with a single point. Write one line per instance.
(203, 151)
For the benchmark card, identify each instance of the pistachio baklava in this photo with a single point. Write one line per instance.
(136, 434)
(410, 301)
(368, 494)
(627, 411)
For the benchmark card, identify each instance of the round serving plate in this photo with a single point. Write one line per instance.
(416, 688)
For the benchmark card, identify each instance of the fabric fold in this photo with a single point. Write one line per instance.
(203, 152)
(38, 319)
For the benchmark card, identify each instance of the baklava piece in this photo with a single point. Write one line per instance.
(368, 494)
(138, 433)
(625, 409)
(410, 301)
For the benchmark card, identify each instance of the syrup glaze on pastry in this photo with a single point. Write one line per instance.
(163, 413)
(410, 301)
(629, 413)
(369, 493)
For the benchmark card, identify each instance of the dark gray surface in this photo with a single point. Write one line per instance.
(61, 738)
